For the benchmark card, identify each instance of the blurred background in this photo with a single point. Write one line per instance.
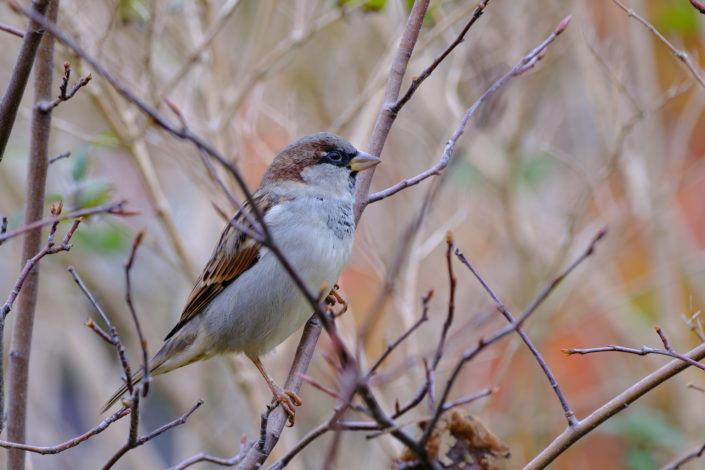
(608, 130)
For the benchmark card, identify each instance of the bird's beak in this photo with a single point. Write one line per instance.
(363, 161)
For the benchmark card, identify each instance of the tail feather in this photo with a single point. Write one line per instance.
(136, 379)
(170, 356)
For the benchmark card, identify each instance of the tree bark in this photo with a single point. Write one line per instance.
(38, 163)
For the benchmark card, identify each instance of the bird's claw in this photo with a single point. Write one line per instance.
(287, 400)
(335, 298)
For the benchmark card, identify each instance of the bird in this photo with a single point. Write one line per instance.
(244, 300)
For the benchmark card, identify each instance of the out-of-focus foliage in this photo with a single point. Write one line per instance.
(606, 130)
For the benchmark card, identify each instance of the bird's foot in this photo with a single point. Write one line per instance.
(287, 400)
(335, 298)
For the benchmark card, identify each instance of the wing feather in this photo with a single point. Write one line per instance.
(235, 253)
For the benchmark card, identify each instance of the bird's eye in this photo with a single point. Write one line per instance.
(335, 156)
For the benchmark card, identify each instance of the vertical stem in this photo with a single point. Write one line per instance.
(391, 94)
(38, 163)
(20, 75)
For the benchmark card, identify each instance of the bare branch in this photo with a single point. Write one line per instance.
(700, 7)
(35, 192)
(567, 411)
(386, 117)
(59, 157)
(255, 453)
(113, 337)
(70, 443)
(114, 208)
(135, 441)
(680, 55)
(11, 30)
(128, 298)
(20, 73)
(469, 398)
(696, 454)
(417, 81)
(484, 342)
(48, 249)
(390, 347)
(46, 106)
(640, 352)
(572, 434)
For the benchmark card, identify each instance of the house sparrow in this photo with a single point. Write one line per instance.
(244, 301)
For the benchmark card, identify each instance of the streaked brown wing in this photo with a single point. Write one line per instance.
(235, 253)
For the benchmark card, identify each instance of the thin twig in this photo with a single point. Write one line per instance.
(567, 411)
(418, 80)
(698, 6)
(680, 55)
(643, 351)
(128, 298)
(696, 454)
(114, 208)
(48, 249)
(11, 30)
(452, 282)
(226, 11)
(386, 118)
(390, 347)
(469, 398)
(113, 336)
(64, 95)
(484, 342)
(59, 157)
(138, 441)
(572, 434)
(70, 443)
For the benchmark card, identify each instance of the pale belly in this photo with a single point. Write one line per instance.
(265, 306)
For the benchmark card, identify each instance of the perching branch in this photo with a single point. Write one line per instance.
(386, 118)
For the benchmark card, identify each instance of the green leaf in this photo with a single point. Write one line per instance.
(133, 10)
(677, 17)
(368, 5)
(80, 163)
(464, 174)
(53, 197)
(645, 427)
(534, 169)
(106, 139)
(101, 239)
(93, 193)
